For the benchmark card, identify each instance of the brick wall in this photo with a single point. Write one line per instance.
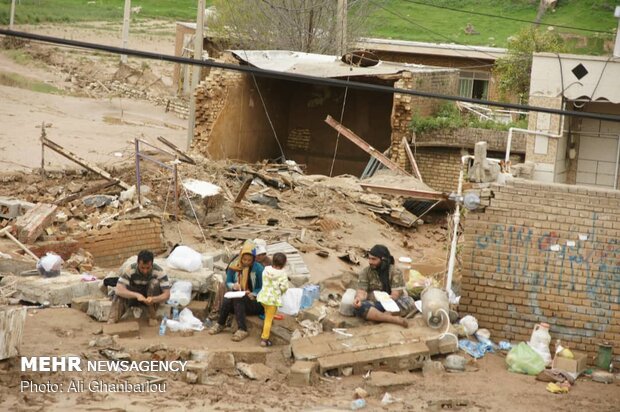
(518, 269)
(405, 106)
(440, 166)
(111, 246)
(468, 137)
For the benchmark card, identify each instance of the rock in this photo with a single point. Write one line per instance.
(103, 341)
(221, 361)
(432, 368)
(360, 393)
(256, 371)
(381, 382)
(455, 363)
(303, 373)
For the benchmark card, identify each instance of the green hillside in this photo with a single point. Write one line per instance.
(397, 19)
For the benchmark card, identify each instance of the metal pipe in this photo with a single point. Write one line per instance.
(456, 221)
(138, 171)
(509, 140)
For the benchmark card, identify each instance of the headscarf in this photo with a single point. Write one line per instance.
(248, 248)
(387, 259)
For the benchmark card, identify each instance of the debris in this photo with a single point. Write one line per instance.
(255, 371)
(389, 399)
(360, 393)
(263, 199)
(59, 290)
(246, 231)
(98, 200)
(93, 189)
(31, 224)
(414, 165)
(115, 355)
(99, 309)
(184, 157)
(602, 377)
(12, 321)
(244, 189)
(6, 232)
(303, 373)
(103, 341)
(455, 363)
(555, 388)
(381, 382)
(432, 368)
(196, 372)
(349, 257)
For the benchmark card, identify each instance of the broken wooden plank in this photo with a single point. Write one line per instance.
(416, 194)
(88, 191)
(75, 158)
(31, 224)
(244, 189)
(364, 146)
(12, 321)
(182, 155)
(414, 165)
(6, 231)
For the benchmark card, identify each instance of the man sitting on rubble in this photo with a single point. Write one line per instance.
(243, 274)
(141, 284)
(381, 275)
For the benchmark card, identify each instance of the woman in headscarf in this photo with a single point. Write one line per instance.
(381, 275)
(243, 274)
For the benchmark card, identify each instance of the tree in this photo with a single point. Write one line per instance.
(514, 70)
(301, 25)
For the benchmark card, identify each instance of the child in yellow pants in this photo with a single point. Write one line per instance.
(275, 283)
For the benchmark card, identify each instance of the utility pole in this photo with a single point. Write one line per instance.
(198, 39)
(617, 45)
(12, 18)
(341, 27)
(126, 18)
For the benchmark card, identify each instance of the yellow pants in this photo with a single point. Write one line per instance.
(270, 312)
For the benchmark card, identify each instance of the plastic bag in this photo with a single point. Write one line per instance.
(291, 301)
(187, 321)
(185, 258)
(470, 324)
(49, 265)
(523, 359)
(180, 293)
(417, 283)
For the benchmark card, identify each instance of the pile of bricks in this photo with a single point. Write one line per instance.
(545, 253)
(113, 245)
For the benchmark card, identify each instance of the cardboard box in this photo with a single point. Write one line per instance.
(577, 365)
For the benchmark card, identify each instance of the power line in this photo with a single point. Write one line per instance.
(301, 77)
(496, 16)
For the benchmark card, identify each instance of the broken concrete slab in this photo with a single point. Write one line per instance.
(335, 320)
(12, 321)
(59, 290)
(99, 309)
(81, 303)
(122, 329)
(221, 361)
(16, 266)
(31, 224)
(303, 373)
(407, 356)
(381, 382)
(250, 355)
(255, 371)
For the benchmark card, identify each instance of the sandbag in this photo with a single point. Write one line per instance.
(185, 258)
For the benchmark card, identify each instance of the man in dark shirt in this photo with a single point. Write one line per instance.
(140, 284)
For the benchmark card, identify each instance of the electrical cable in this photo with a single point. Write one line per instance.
(302, 78)
(496, 16)
(344, 102)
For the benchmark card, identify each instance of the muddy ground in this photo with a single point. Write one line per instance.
(100, 127)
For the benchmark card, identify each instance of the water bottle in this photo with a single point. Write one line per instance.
(358, 404)
(175, 313)
(162, 326)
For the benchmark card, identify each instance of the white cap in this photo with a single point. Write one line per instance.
(260, 249)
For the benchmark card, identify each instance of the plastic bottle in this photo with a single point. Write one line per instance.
(358, 404)
(175, 313)
(162, 326)
(540, 341)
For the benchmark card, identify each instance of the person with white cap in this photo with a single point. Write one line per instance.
(261, 252)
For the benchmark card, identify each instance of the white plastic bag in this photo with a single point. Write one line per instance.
(291, 301)
(470, 324)
(180, 293)
(185, 258)
(187, 321)
(50, 265)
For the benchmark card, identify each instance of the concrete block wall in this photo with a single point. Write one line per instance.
(113, 245)
(545, 253)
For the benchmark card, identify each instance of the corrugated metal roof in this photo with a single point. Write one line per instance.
(436, 49)
(321, 65)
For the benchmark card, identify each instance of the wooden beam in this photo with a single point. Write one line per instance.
(414, 165)
(416, 194)
(364, 146)
(182, 155)
(244, 189)
(6, 232)
(86, 165)
(86, 192)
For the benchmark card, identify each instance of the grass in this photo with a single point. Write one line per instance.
(399, 19)
(16, 80)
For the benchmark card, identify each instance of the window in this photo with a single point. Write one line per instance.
(474, 84)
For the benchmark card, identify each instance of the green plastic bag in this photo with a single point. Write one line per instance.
(523, 359)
